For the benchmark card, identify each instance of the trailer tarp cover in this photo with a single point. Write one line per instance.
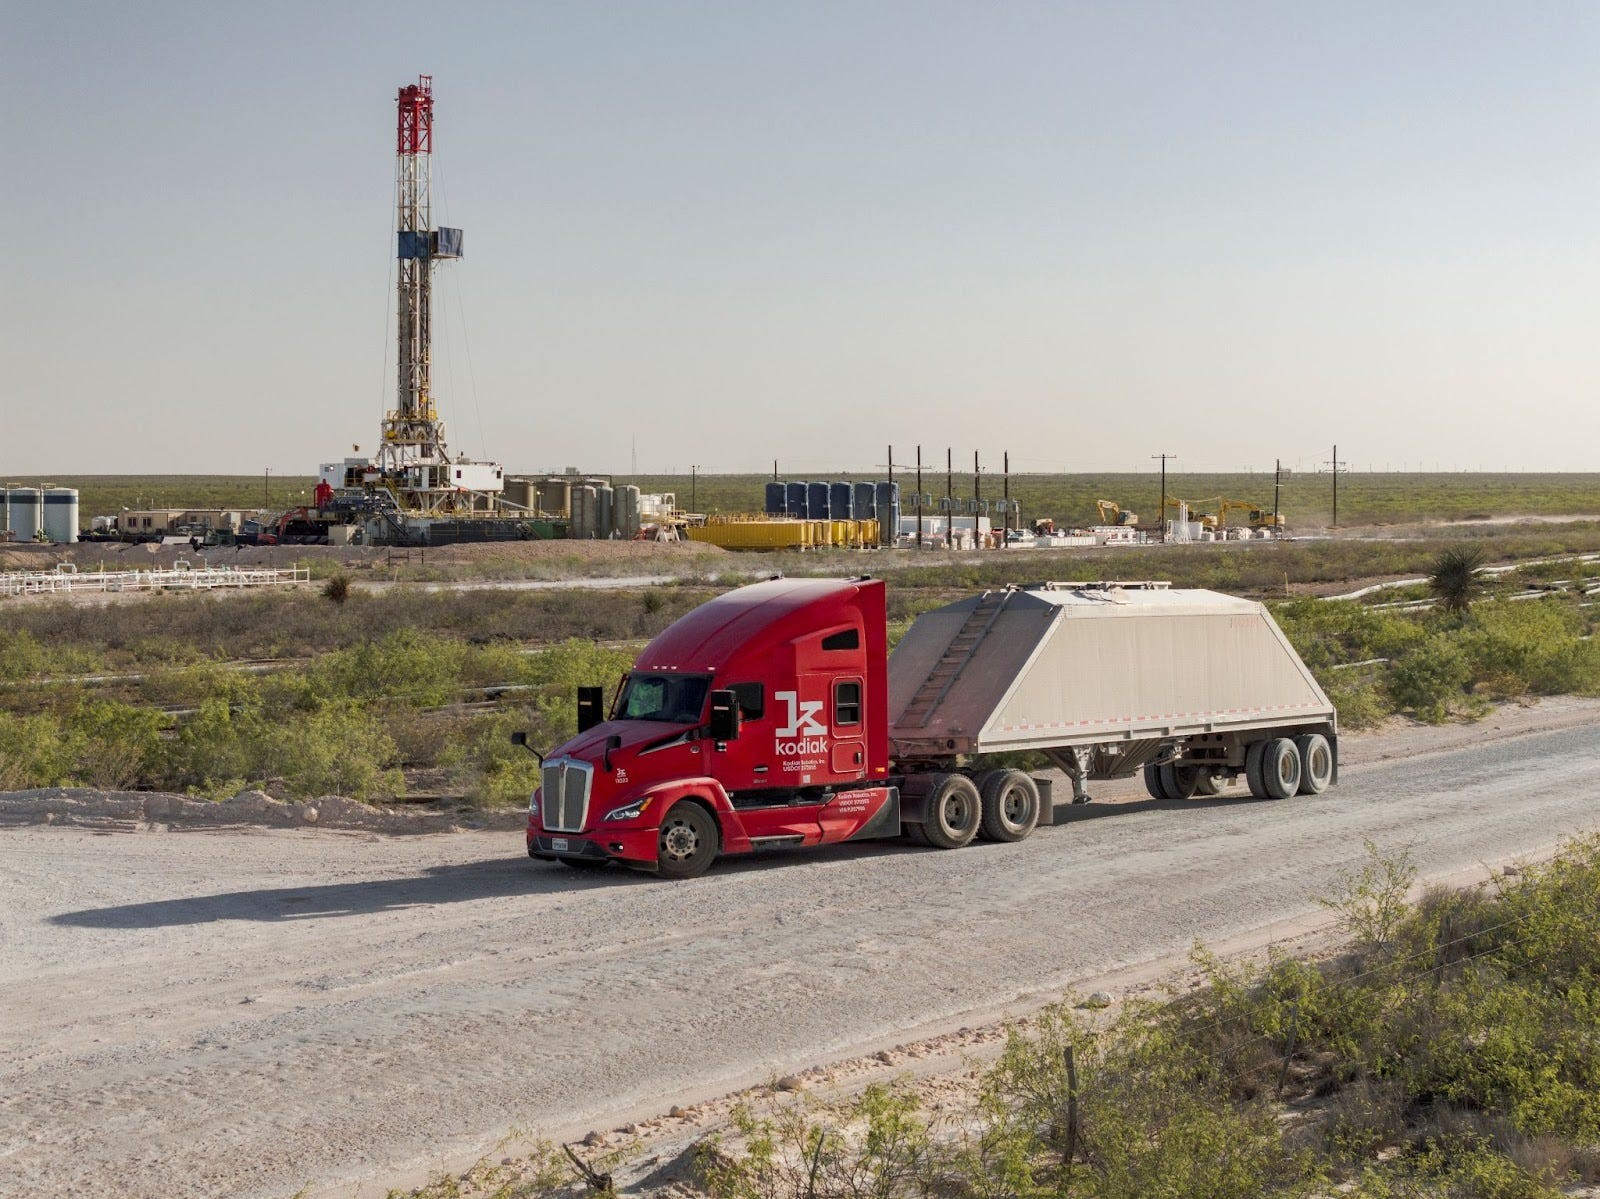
(1059, 665)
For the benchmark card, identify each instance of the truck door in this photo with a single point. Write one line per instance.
(848, 756)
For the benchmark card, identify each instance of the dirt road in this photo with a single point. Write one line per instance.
(249, 1012)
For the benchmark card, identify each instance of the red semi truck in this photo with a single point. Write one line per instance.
(774, 715)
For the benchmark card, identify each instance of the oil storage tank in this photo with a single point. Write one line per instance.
(24, 518)
(604, 502)
(866, 501)
(888, 511)
(795, 499)
(841, 501)
(776, 499)
(817, 501)
(60, 515)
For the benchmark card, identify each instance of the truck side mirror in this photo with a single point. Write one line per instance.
(725, 716)
(591, 707)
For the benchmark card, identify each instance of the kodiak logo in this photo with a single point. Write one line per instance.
(810, 733)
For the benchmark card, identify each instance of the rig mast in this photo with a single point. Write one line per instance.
(413, 461)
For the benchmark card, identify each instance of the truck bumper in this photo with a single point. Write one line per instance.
(633, 847)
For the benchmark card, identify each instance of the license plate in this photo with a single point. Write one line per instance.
(558, 843)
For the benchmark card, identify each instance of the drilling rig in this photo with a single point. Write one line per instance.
(413, 483)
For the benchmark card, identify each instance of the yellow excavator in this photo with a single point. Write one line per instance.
(1111, 514)
(1256, 516)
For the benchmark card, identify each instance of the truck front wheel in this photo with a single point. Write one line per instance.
(1010, 805)
(688, 841)
(952, 810)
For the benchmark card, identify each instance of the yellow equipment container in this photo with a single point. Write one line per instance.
(778, 533)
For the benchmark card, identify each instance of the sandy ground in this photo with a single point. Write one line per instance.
(251, 1011)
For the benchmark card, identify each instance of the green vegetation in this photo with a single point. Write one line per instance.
(1451, 1050)
(376, 693)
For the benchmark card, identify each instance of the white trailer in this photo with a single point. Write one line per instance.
(1193, 688)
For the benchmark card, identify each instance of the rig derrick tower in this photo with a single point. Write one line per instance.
(413, 462)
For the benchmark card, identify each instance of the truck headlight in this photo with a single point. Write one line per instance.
(632, 812)
(533, 804)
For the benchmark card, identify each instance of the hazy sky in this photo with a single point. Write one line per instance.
(726, 233)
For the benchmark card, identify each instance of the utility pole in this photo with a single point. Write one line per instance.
(1277, 487)
(1005, 465)
(891, 464)
(266, 489)
(977, 497)
(1161, 514)
(919, 497)
(694, 479)
(1335, 465)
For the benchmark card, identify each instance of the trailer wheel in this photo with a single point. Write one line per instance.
(1280, 768)
(954, 809)
(1316, 763)
(1179, 782)
(1153, 783)
(688, 841)
(1010, 805)
(1252, 769)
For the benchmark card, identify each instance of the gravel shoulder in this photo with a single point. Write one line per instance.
(194, 1010)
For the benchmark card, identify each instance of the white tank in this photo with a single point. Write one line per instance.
(25, 517)
(60, 515)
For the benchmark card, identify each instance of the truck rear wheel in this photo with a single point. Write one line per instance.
(1316, 763)
(1207, 781)
(1153, 783)
(1280, 768)
(688, 841)
(1010, 805)
(953, 809)
(1252, 769)
(1179, 782)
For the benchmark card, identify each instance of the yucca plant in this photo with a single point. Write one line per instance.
(1454, 579)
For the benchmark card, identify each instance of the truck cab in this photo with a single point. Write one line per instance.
(760, 719)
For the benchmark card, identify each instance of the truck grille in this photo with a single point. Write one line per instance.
(566, 794)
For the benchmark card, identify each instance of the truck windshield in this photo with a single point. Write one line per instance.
(674, 698)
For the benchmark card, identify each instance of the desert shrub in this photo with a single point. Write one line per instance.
(876, 1146)
(217, 750)
(416, 667)
(1360, 699)
(336, 589)
(32, 753)
(340, 749)
(1328, 633)
(1530, 647)
(21, 655)
(491, 770)
(113, 745)
(1429, 681)
(1451, 1170)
